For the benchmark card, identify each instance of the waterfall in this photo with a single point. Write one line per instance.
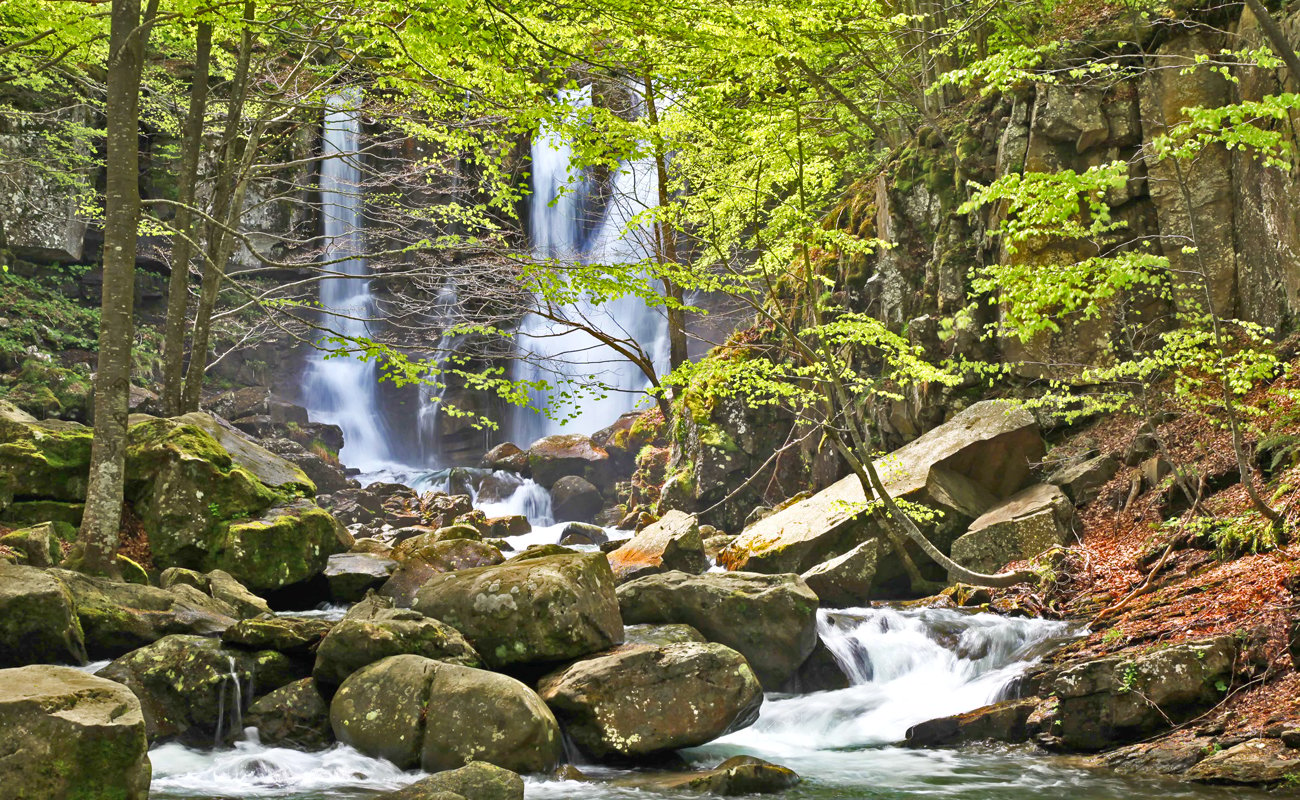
(343, 390)
(235, 716)
(560, 206)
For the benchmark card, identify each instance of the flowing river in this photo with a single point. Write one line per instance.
(906, 666)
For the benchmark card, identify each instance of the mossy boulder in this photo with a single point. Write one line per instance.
(41, 545)
(419, 565)
(294, 636)
(641, 700)
(47, 459)
(34, 512)
(286, 545)
(770, 619)
(66, 734)
(542, 609)
(294, 716)
(737, 776)
(48, 390)
(417, 712)
(38, 619)
(192, 687)
(373, 629)
(351, 575)
(477, 780)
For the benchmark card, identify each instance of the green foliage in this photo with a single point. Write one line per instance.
(39, 315)
(1233, 536)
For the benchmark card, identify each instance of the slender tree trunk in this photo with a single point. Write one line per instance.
(666, 238)
(96, 549)
(1276, 38)
(183, 245)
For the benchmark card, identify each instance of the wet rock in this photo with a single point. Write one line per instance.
(540, 609)
(419, 565)
(1021, 527)
(415, 711)
(554, 457)
(769, 619)
(739, 775)
(1119, 699)
(660, 635)
(1254, 762)
(819, 672)
(351, 575)
(373, 629)
(641, 700)
(583, 533)
(293, 716)
(575, 498)
(1164, 756)
(1083, 482)
(38, 619)
(672, 543)
(66, 734)
(477, 780)
(1000, 722)
(506, 456)
(294, 636)
(192, 688)
(848, 580)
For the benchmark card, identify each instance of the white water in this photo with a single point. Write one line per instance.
(342, 390)
(556, 351)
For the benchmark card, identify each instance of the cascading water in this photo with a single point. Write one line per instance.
(342, 389)
(556, 351)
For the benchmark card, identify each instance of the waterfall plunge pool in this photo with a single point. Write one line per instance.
(906, 666)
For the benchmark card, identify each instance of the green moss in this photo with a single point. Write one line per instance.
(34, 512)
(711, 435)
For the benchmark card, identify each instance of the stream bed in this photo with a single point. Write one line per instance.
(906, 666)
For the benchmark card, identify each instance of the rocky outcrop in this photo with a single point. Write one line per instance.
(373, 630)
(1024, 525)
(293, 716)
(417, 712)
(642, 700)
(769, 619)
(38, 619)
(555, 457)
(477, 780)
(1257, 762)
(540, 609)
(672, 543)
(66, 734)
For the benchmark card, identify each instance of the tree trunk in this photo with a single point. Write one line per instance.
(1276, 38)
(666, 239)
(183, 245)
(96, 549)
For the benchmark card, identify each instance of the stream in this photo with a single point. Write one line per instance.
(906, 666)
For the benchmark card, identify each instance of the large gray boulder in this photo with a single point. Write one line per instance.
(294, 716)
(672, 543)
(66, 734)
(192, 688)
(477, 780)
(854, 578)
(638, 701)
(417, 712)
(420, 562)
(351, 575)
(553, 457)
(960, 468)
(373, 629)
(540, 609)
(1022, 526)
(770, 619)
(38, 619)
(575, 498)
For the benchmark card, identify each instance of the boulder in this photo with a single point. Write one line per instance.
(643, 700)
(418, 566)
(554, 457)
(1019, 528)
(738, 775)
(118, 617)
(852, 579)
(660, 635)
(373, 629)
(535, 551)
(575, 498)
(351, 575)
(770, 619)
(672, 543)
(293, 716)
(40, 545)
(193, 688)
(506, 456)
(38, 619)
(417, 712)
(66, 734)
(1119, 699)
(477, 780)
(820, 672)
(297, 637)
(288, 544)
(1082, 482)
(1258, 762)
(48, 460)
(961, 468)
(1000, 722)
(541, 609)
(223, 588)
(583, 533)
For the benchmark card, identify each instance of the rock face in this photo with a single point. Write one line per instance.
(191, 688)
(770, 619)
(961, 468)
(1082, 482)
(1116, 700)
(540, 609)
(477, 780)
(672, 543)
(373, 630)
(38, 621)
(414, 711)
(576, 498)
(1021, 527)
(66, 734)
(555, 457)
(294, 716)
(641, 700)
(1254, 762)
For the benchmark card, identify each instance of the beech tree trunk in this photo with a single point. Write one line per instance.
(666, 239)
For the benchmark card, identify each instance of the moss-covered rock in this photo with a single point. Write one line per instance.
(47, 459)
(293, 636)
(41, 544)
(478, 780)
(38, 620)
(418, 566)
(66, 734)
(287, 545)
(294, 716)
